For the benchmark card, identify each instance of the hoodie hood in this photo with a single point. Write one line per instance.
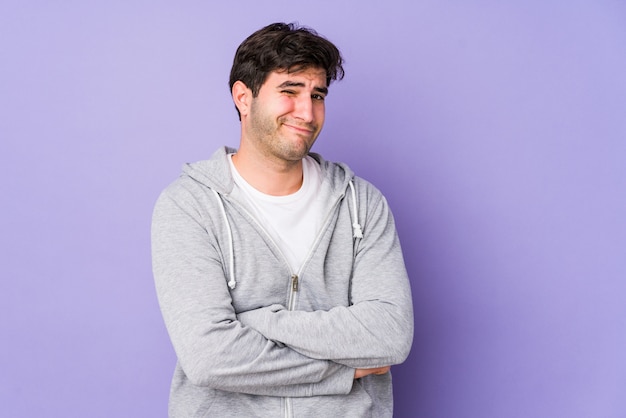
(215, 173)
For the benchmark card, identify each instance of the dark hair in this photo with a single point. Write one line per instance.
(282, 46)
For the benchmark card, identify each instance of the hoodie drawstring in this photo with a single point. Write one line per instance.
(232, 282)
(356, 227)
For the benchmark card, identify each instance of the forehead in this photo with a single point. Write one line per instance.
(310, 75)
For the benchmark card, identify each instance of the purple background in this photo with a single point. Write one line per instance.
(497, 132)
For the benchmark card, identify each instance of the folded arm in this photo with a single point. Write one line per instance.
(376, 329)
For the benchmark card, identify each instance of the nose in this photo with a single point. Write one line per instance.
(303, 109)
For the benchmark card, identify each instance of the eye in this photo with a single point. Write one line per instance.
(288, 92)
(317, 97)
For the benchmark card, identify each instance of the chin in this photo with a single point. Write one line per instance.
(296, 151)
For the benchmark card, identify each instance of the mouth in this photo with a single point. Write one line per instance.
(302, 129)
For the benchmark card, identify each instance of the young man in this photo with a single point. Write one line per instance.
(279, 274)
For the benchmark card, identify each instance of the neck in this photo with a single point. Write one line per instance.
(275, 178)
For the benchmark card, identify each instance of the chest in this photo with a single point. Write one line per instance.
(265, 275)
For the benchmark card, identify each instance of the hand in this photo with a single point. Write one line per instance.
(359, 373)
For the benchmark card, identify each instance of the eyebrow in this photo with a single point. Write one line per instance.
(323, 90)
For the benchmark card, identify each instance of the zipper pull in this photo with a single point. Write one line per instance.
(294, 282)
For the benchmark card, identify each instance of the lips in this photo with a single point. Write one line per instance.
(303, 128)
(303, 131)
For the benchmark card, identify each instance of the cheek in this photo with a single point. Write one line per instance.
(320, 113)
(283, 105)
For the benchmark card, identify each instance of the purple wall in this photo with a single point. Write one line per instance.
(497, 132)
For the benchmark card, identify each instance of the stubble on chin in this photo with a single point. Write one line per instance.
(289, 149)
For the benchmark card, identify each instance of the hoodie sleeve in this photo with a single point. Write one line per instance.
(377, 328)
(213, 348)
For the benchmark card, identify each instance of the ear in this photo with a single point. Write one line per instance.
(242, 96)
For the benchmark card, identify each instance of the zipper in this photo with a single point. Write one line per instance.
(294, 282)
(295, 285)
(292, 292)
(288, 413)
(294, 276)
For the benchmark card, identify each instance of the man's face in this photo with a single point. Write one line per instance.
(288, 114)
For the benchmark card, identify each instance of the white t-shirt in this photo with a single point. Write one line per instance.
(293, 221)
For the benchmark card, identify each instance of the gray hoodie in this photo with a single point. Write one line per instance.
(255, 339)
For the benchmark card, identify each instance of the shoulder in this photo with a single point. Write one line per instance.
(341, 175)
(199, 177)
(193, 190)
